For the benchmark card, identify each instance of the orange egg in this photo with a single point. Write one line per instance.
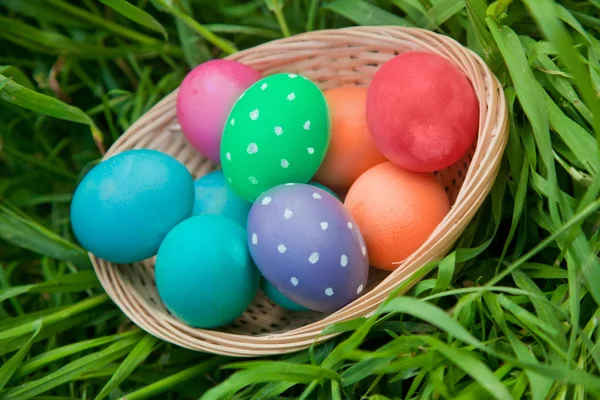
(351, 150)
(396, 210)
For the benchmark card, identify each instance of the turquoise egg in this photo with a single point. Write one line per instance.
(125, 206)
(278, 298)
(204, 273)
(215, 196)
(325, 188)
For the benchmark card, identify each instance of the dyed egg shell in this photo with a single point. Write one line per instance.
(278, 298)
(325, 188)
(397, 211)
(352, 150)
(308, 246)
(277, 132)
(205, 99)
(204, 273)
(214, 196)
(125, 206)
(422, 112)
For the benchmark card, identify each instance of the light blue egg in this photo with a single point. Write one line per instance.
(215, 196)
(278, 298)
(204, 273)
(125, 206)
(325, 188)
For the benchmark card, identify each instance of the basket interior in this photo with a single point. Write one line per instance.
(349, 65)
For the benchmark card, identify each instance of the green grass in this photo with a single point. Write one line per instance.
(511, 312)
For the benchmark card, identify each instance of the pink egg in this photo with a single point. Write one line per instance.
(205, 98)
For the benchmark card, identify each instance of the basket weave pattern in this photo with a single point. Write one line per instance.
(344, 57)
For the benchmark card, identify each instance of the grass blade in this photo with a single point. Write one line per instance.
(167, 383)
(364, 13)
(10, 367)
(71, 370)
(139, 353)
(75, 282)
(22, 232)
(45, 105)
(137, 15)
(544, 13)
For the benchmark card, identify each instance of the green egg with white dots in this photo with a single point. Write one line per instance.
(277, 132)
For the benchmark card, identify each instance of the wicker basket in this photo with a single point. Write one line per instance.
(330, 58)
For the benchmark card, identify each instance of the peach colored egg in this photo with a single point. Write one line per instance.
(397, 210)
(351, 150)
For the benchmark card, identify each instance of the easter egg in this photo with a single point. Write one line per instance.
(124, 207)
(278, 298)
(351, 150)
(277, 132)
(205, 99)
(304, 241)
(325, 188)
(397, 211)
(204, 273)
(214, 196)
(422, 112)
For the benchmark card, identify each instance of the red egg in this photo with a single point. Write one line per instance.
(422, 112)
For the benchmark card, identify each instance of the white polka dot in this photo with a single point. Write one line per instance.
(278, 130)
(324, 225)
(287, 214)
(266, 200)
(252, 148)
(289, 184)
(307, 125)
(310, 150)
(364, 251)
(294, 281)
(254, 115)
(350, 226)
(228, 156)
(316, 196)
(281, 248)
(291, 96)
(360, 289)
(344, 260)
(229, 179)
(254, 238)
(232, 121)
(314, 257)
(263, 86)
(292, 75)
(253, 180)
(329, 291)
(285, 163)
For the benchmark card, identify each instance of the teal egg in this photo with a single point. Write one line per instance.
(124, 207)
(204, 273)
(215, 196)
(325, 188)
(278, 298)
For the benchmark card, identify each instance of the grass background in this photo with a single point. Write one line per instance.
(512, 312)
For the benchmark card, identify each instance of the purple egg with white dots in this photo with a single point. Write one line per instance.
(305, 243)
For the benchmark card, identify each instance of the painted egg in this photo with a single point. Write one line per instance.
(278, 298)
(214, 196)
(277, 132)
(125, 206)
(204, 273)
(205, 99)
(397, 211)
(352, 150)
(305, 242)
(325, 188)
(422, 112)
